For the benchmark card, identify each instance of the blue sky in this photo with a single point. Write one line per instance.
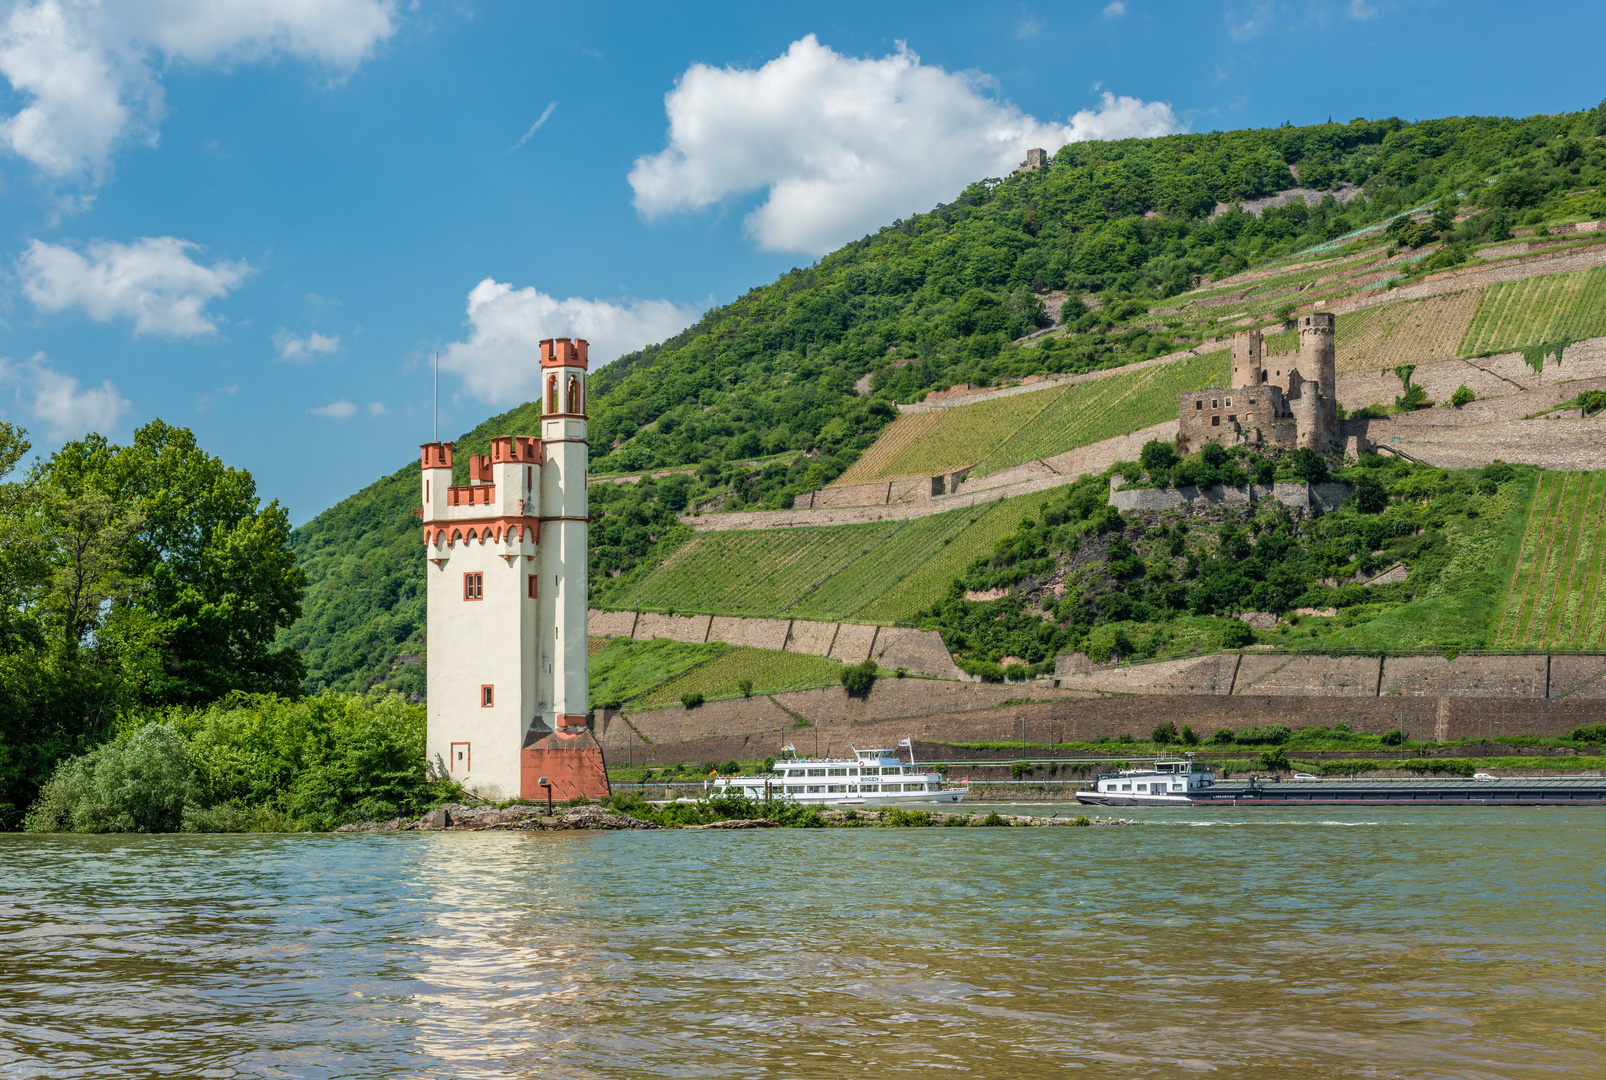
(261, 219)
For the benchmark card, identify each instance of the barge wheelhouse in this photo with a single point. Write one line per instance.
(1166, 783)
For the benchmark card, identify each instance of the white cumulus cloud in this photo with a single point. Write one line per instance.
(500, 361)
(152, 281)
(56, 399)
(299, 350)
(335, 410)
(843, 145)
(1115, 9)
(87, 71)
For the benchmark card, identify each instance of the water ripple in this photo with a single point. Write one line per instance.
(1448, 944)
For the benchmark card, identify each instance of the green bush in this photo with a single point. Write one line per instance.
(1224, 736)
(1393, 737)
(1463, 396)
(992, 819)
(1236, 634)
(250, 763)
(1590, 733)
(140, 782)
(1189, 737)
(1371, 497)
(1276, 759)
(1308, 465)
(858, 678)
(1019, 770)
(1165, 733)
(692, 700)
(1082, 821)
(905, 819)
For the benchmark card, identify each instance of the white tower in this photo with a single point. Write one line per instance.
(506, 594)
(565, 548)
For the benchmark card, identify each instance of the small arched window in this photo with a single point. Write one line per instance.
(574, 394)
(552, 393)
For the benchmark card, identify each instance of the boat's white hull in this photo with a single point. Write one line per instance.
(873, 802)
(1109, 798)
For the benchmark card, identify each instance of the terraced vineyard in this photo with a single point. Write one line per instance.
(1536, 310)
(925, 444)
(768, 670)
(754, 572)
(1098, 409)
(1555, 600)
(926, 580)
(883, 572)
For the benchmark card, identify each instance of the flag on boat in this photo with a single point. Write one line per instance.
(905, 742)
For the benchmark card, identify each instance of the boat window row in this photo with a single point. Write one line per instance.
(889, 770)
(831, 789)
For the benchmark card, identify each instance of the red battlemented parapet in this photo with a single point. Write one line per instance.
(523, 449)
(562, 352)
(436, 455)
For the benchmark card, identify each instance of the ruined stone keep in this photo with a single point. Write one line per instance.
(1286, 400)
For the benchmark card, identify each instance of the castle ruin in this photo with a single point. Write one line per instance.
(1285, 400)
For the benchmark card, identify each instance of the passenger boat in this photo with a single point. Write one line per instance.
(1166, 783)
(871, 778)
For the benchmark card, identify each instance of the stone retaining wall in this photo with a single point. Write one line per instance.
(921, 652)
(1268, 674)
(1324, 497)
(938, 712)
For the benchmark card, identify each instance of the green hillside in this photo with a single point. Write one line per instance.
(1082, 577)
(760, 394)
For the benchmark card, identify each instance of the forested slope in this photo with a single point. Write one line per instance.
(761, 394)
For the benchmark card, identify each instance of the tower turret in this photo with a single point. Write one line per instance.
(1318, 361)
(565, 548)
(1247, 369)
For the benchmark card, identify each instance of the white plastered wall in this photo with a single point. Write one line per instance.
(473, 643)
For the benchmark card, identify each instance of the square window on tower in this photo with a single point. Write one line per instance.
(473, 586)
(487, 697)
(533, 579)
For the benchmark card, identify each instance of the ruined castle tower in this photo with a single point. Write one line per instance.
(1247, 369)
(1318, 362)
(506, 593)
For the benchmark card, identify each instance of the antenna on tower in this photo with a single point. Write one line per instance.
(436, 437)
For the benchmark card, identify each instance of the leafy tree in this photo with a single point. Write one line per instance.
(1308, 465)
(1158, 455)
(1371, 497)
(858, 678)
(216, 579)
(1164, 733)
(1462, 396)
(1237, 634)
(1276, 760)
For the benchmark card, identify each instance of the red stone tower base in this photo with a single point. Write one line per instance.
(571, 760)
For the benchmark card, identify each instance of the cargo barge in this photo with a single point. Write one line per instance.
(1188, 783)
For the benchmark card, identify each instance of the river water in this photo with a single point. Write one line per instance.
(1394, 942)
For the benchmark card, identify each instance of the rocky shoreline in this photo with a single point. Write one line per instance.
(456, 817)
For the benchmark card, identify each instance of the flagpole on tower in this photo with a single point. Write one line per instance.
(437, 435)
